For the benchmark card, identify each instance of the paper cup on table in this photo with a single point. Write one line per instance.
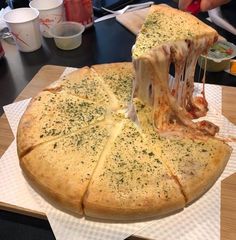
(51, 12)
(23, 23)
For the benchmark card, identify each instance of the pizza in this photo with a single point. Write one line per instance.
(108, 142)
(171, 36)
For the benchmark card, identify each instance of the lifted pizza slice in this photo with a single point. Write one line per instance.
(170, 36)
(131, 182)
(61, 169)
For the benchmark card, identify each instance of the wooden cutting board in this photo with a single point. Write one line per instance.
(133, 20)
(50, 73)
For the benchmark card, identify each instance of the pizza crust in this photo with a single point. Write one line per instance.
(57, 197)
(205, 178)
(62, 168)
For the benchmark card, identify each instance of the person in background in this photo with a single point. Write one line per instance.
(226, 8)
(3, 4)
(205, 4)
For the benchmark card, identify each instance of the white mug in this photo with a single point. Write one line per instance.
(23, 24)
(51, 12)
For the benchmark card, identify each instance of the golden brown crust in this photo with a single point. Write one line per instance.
(200, 29)
(26, 135)
(149, 207)
(190, 20)
(58, 197)
(206, 177)
(62, 168)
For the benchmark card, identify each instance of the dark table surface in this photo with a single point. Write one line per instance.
(105, 42)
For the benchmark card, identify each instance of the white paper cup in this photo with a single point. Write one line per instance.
(51, 12)
(23, 23)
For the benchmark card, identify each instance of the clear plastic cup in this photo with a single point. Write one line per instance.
(67, 35)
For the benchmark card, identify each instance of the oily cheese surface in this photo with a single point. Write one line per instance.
(119, 78)
(83, 83)
(131, 181)
(88, 156)
(197, 163)
(52, 115)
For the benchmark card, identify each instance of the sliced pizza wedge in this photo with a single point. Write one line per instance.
(61, 169)
(86, 84)
(52, 115)
(119, 78)
(195, 162)
(131, 182)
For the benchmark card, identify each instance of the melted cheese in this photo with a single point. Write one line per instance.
(173, 103)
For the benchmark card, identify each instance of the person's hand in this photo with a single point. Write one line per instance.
(205, 4)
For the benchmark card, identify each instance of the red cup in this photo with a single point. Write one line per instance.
(79, 11)
(2, 53)
(194, 7)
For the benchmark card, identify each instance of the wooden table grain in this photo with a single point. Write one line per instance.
(50, 73)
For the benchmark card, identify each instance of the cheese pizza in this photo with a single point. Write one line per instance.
(118, 142)
(171, 36)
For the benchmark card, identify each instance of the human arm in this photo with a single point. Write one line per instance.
(205, 5)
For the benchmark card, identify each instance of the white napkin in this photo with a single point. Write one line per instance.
(199, 221)
(2, 12)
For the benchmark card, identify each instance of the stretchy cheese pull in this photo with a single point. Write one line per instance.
(167, 38)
